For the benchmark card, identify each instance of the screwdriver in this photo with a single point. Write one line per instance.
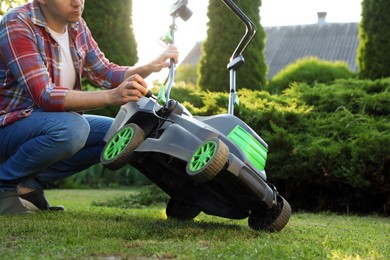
(150, 95)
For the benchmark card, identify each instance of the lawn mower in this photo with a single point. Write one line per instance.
(211, 164)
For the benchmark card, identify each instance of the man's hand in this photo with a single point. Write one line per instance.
(131, 89)
(164, 59)
(156, 65)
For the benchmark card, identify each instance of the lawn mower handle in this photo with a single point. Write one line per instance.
(250, 28)
(237, 59)
(180, 9)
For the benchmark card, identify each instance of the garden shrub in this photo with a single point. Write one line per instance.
(340, 156)
(309, 70)
(98, 176)
(186, 73)
(358, 96)
(147, 196)
(329, 144)
(187, 94)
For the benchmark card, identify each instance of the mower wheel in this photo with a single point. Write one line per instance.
(181, 211)
(208, 160)
(271, 219)
(117, 151)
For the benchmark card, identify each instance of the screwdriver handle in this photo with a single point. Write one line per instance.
(150, 95)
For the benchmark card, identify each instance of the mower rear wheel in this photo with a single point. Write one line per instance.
(181, 211)
(117, 151)
(271, 219)
(208, 160)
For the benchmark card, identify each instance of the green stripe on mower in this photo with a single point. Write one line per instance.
(253, 150)
(118, 143)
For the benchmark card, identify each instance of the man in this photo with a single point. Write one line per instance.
(45, 49)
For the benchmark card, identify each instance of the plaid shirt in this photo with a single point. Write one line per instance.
(30, 63)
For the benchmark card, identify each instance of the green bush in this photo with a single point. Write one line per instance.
(329, 144)
(373, 54)
(358, 96)
(148, 195)
(186, 94)
(223, 35)
(338, 153)
(114, 21)
(309, 70)
(99, 177)
(186, 73)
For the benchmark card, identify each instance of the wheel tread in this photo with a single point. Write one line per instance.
(214, 166)
(123, 157)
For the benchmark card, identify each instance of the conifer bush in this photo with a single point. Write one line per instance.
(373, 51)
(309, 70)
(329, 144)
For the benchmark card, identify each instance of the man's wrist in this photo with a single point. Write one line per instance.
(142, 70)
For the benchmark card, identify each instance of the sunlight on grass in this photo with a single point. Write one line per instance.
(98, 232)
(336, 255)
(73, 199)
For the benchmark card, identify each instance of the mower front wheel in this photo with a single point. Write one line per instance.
(208, 160)
(117, 151)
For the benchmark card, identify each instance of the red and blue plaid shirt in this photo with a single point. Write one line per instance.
(30, 63)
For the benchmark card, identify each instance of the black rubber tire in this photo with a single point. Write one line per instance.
(181, 211)
(121, 159)
(214, 165)
(271, 219)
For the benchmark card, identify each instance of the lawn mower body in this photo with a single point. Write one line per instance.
(211, 164)
(164, 154)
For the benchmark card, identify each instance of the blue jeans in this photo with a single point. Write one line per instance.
(49, 146)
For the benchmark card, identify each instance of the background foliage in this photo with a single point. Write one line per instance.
(224, 33)
(8, 4)
(112, 28)
(309, 70)
(374, 38)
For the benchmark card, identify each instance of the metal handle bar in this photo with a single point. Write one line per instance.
(250, 28)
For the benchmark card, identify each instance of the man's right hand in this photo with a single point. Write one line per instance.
(131, 90)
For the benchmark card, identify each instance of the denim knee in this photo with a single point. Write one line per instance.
(74, 131)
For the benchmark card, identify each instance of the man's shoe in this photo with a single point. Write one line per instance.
(11, 204)
(37, 197)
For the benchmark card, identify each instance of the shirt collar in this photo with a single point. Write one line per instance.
(36, 14)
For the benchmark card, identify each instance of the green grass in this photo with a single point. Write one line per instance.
(90, 232)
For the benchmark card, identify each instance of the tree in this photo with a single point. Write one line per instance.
(111, 27)
(8, 4)
(374, 36)
(224, 33)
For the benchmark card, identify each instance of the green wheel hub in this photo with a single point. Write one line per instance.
(118, 143)
(203, 156)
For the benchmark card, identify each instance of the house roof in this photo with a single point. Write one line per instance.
(193, 56)
(286, 44)
(330, 41)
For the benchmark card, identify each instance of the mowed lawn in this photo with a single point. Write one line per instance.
(94, 232)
